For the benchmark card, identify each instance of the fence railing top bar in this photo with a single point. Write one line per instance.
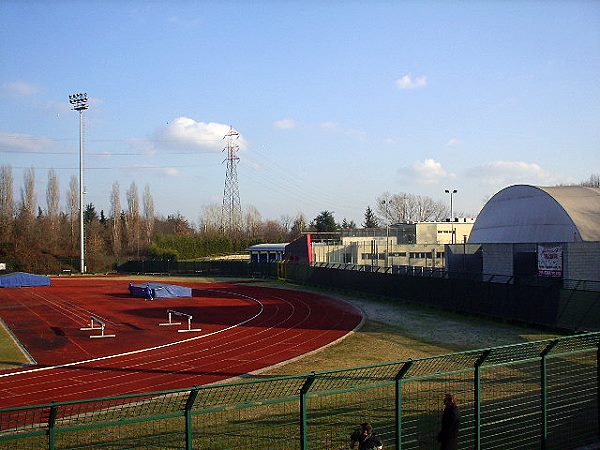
(96, 400)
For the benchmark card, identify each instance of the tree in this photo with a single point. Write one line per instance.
(272, 231)
(592, 181)
(53, 205)
(370, 219)
(298, 226)
(210, 218)
(348, 225)
(179, 225)
(7, 205)
(404, 208)
(324, 222)
(148, 214)
(73, 208)
(132, 218)
(286, 222)
(115, 213)
(27, 205)
(253, 221)
(89, 214)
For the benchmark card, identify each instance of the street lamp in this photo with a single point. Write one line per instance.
(451, 192)
(80, 104)
(386, 204)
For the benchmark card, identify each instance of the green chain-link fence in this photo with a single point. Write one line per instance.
(542, 394)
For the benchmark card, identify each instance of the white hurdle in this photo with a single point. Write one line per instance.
(171, 313)
(93, 321)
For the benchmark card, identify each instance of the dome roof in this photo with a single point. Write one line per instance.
(529, 214)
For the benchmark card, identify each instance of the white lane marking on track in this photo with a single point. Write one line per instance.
(170, 344)
(65, 311)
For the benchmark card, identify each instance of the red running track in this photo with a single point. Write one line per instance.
(244, 328)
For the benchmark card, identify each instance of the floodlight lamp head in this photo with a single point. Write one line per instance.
(79, 101)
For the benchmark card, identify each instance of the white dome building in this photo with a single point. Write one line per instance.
(528, 214)
(529, 231)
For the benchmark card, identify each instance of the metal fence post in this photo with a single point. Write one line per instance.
(303, 411)
(51, 425)
(598, 384)
(189, 427)
(399, 376)
(544, 390)
(477, 392)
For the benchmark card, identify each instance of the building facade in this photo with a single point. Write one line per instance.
(415, 244)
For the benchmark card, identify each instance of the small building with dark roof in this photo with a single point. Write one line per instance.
(266, 252)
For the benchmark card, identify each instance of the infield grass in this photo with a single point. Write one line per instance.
(11, 354)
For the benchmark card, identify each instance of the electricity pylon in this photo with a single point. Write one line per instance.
(231, 212)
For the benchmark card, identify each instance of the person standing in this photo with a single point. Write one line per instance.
(365, 437)
(448, 435)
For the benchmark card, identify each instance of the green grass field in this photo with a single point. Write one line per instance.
(11, 354)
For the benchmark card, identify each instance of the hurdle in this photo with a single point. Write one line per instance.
(96, 321)
(171, 313)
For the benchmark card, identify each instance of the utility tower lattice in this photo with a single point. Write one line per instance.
(231, 212)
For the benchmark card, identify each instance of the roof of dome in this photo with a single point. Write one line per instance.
(527, 214)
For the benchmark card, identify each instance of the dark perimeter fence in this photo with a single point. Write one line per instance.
(558, 303)
(541, 394)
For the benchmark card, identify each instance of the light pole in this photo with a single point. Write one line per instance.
(451, 192)
(80, 104)
(386, 204)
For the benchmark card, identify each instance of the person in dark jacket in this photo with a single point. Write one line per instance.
(365, 437)
(448, 435)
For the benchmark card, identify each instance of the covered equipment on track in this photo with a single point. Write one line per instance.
(151, 291)
(20, 279)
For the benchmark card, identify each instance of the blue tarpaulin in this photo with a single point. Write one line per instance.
(159, 290)
(18, 279)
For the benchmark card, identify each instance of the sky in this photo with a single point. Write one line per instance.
(335, 102)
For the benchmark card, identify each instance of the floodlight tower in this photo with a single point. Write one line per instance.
(231, 212)
(80, 104)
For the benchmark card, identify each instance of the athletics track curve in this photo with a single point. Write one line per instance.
(243, 328)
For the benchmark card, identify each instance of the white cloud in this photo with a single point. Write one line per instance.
(429, 171)
(407, 82)
(510, 172)
(20, 88)
(187, 133)
(23, 142)
(453, 142)
(284, 124)
(171, 171)
(328, 125)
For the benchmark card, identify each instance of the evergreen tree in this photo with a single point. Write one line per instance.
(89, 214)
(370, 219)
(348, 225)
(324, 222)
